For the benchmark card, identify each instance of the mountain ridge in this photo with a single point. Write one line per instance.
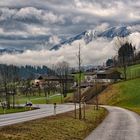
(90, 35)
(87, 35)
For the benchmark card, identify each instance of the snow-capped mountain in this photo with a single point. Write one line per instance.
(115, 31)
(88, 36)
(69, 41)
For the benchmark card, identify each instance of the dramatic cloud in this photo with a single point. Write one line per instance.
(39, 24)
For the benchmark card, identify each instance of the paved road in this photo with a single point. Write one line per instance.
(44, 111)
(120, 124)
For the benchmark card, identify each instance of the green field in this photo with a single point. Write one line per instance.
(132, 71)
(56, 98)
(124, 94)
(60, 127)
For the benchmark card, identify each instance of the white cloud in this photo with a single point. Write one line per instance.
(6, 13)
(95, 9)
(91, 54)
(134, 28)
(96, 52)
(38, 14)
(52, 18)
(102, 27)
(28, 12)
(54, 39)
(112, 10)
(135, 39)
(37, 30)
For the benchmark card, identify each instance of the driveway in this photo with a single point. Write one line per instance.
(120, 124)
(44, 111)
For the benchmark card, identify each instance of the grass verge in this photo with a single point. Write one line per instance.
(14, 110)
(60, 127)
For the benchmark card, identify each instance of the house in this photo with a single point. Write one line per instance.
(109, 74)
(57, 80)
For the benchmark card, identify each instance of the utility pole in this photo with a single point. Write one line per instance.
(79, 82)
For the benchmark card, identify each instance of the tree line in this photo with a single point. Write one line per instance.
(18, 80)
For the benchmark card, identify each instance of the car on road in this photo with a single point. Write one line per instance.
(28, 104)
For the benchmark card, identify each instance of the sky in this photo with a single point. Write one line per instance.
(36, 25)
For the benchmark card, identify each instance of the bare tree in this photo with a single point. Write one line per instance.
(8, 76)
(14, 82)
(79, 82)
(62, 71)
(28, 86)
(46, 92)
(5, 79)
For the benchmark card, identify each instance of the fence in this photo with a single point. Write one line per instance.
(133, 73)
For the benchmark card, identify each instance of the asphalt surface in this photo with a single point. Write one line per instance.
(44, 111)
(120, 124)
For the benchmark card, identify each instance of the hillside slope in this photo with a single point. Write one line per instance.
(132, 71)
(124, 94)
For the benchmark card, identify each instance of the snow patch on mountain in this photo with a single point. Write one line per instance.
(91, 35)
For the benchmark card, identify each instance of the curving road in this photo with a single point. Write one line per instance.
(44, 111)
(120, 124)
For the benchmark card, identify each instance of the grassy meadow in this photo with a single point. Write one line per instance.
(132, 71)
(56, 98)
(124, 94)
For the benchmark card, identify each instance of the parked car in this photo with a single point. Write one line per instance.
(28, 104)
